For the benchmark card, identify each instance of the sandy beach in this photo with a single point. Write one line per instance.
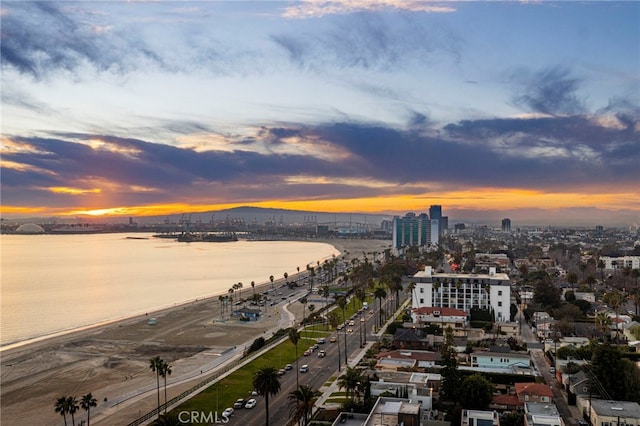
(112, 361)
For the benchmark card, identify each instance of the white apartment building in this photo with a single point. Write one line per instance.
(490, 291)
(617, 263)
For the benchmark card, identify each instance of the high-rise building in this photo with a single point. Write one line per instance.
(490, 292)
(506, 225)
(411, 230)
(435, 213)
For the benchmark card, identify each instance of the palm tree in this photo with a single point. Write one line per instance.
(231, 290)
(266, 382)
(86, 402)
(253, 287)
(350, 380)
(294, 336)
(361, 295)
(342, 304)
(61, 407)
(412, 288)
(165, 371)
(221, 299)
(332, 317)
(155, 364)
(240, 295)
(286, 278)
(271, 279)
(304, 301)
(72, 407)
(301, 402)
(380, 293)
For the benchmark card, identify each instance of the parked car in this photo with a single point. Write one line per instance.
(281, 372)
(332, 339)
(307, 352)
(352, 323)
(254, 393)
(227, 412)
(322, 341)
(239, 403)
(250, 403)
(322, 354)
(304, 368)
(288, 367)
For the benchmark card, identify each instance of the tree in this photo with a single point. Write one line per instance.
(333, 321)
(380, 293)
(301, 402)
(294, 336)
(267, 383)
(271, 279)
(476, 392)
(450, 375)
(165, 370)
(86, 402)
(253, 287)
(61, 407)
(614, 299)
(304, 302)
(618, 375)
(72, 407)
(155, 364)
(341, 301)
(350, 381)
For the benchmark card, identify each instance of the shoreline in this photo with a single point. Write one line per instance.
(111, 360)
(4, 347)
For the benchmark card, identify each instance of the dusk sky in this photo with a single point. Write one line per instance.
(528, 110)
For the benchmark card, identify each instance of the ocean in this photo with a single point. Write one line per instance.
(51, 284)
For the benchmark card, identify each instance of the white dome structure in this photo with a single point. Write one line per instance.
(30, 228)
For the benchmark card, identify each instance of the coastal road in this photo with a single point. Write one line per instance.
(320, 370)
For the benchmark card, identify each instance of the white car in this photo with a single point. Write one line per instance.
(227, 412)
(250, 403)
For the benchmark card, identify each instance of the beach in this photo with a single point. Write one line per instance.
(112, 361)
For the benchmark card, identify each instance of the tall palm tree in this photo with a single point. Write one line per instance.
(155, 364)
(294, 336)
(350, 380)
(361, 295)
(72, 407)
(380, 293)
(342, 304)
(86, 402)
(271, 279)
(301, 402)
(61, 407)
(165, 370)
(304, 301)
(332, 317)
(240, 295)
(231, 290)
(286, 278)
(253, 287)
(267, 383)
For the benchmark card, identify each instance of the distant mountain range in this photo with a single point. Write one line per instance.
(261, 215)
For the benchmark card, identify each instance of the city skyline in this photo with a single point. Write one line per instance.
(526, 110)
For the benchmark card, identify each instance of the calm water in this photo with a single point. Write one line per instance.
(55, 283)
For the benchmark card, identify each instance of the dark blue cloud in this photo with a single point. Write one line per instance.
(550, 91)
(552, 153)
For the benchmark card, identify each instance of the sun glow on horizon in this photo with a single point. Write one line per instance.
(483, 199)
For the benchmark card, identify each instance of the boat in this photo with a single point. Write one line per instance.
(76, 229)
(220, 238)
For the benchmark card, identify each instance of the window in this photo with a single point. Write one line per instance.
(421, 289)
(499, 292)
(421, 301)
(499, 303)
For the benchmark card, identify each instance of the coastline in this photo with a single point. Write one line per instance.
(112, 358)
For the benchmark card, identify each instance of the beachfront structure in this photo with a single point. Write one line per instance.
(465, 292)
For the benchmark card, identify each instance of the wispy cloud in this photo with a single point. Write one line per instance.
(319, 8)
(550, 91)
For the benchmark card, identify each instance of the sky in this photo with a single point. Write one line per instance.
(528, 110)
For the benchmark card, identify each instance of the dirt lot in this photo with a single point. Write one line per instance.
(112, 361)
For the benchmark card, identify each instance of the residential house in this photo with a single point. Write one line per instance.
(612, 413)
(394, 411)
(533, 392)
(410, 338)
(480, 418)
(424, 359)
(540, 414)
(500, 360)
(444, 317)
